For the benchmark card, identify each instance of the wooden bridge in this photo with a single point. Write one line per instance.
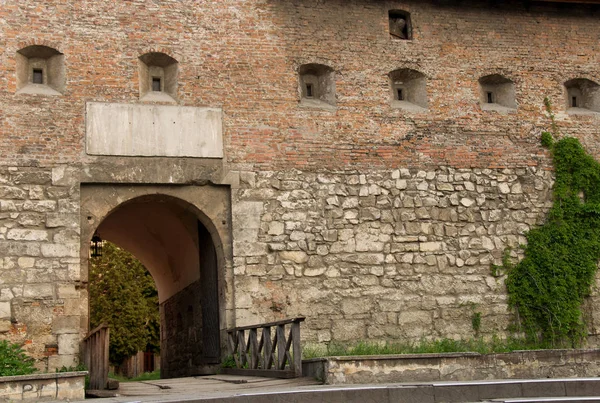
(276, 354)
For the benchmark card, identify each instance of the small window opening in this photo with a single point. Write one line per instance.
(156, 84)
(316, 85)
(309, 90)
(400, 26)
(408, 90)
(583, 96)
(40, 70)
(497, 93)
(38, 76)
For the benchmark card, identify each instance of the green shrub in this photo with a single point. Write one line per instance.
(14, 361)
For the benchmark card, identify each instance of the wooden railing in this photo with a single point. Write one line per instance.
(95, 347)
(272, 354)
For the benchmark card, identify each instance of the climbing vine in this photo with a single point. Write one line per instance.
(547, 287)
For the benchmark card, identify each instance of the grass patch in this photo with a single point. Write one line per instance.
(478, 345)
(146, 376)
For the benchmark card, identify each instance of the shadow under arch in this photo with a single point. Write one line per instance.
(183, 241)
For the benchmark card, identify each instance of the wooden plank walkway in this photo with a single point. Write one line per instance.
(192, 388)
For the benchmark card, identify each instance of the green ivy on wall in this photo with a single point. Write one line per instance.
(547, 288)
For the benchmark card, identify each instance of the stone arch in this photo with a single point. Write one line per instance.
(181, 234)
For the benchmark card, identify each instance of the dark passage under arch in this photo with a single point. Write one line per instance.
(168, 236)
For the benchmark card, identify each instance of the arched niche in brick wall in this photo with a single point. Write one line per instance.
(40, 70)
(317, 85)
(583, 96)
(158, 74)
(497, 93)
(408, 90)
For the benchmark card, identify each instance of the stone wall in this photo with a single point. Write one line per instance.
(41, 303)
(62, 386)
(454, 367)
(400, 254)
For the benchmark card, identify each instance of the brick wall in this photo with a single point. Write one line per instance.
(244, 55)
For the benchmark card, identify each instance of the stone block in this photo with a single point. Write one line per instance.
(68, 344)
(26, 262)
(314, 272)
(543, 389)
(60, 250)
(64, 176)
(33, 177)
(247, 214)
(16, 248)
(6, 294)
(276, 228)
(54, 220)
(40, 206)
(29, 219)
(431, 246)
(62, 360)
(66, 291)
(12, 192)
(5, 312)
(18, 234)
(451, 393)
(349, 330)
(445, 187)
(66, 325)
(419, 318)
(8, 205)
(298, 257)
(412, 394)
(5, 325)
(356, 306)
(38, 291)
(297, 236)
(504, 188)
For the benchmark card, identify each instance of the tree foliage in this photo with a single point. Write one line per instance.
(548, 286)
(123, 296)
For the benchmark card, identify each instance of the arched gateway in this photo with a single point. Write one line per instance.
(181, 235)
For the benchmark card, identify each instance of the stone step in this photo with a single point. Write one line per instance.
(496, 391)
(521, 390)
(565, 399)
(474, 391)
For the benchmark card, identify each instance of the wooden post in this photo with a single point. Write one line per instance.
(281, 346)
(296, 349)
(242, 348)
(96, 346)
(233, 344)
(104, 358)
(267, 348)
(253, 347)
